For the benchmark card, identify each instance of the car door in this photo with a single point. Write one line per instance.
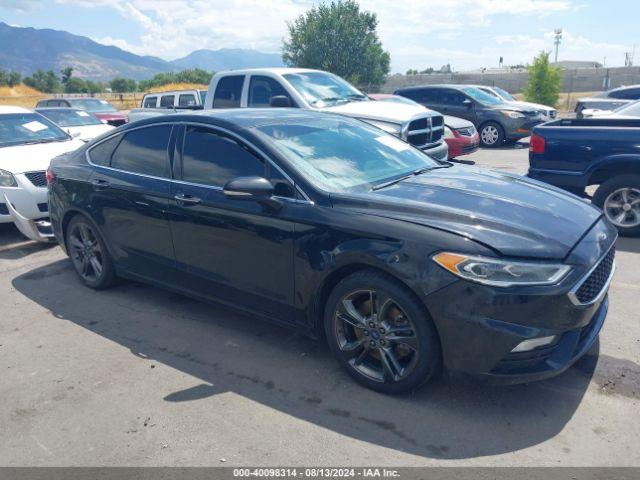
(235, 251)
(458, 104)
(130, 195)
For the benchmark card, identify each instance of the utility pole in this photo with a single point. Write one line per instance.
(557, 35)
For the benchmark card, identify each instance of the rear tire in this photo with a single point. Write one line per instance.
(491, 135)
(89, 254)
(394, 347)
(619, 199)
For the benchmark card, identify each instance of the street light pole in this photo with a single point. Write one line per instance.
(557, 35)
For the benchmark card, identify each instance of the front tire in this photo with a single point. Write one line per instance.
(619, 199)
(89, 254)
(491, 135)
(381, 334)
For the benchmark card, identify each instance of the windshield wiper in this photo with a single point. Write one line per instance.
(356, 96)
(419, 171)
(331, 99)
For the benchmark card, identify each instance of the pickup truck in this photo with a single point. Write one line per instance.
(322, 91)
(576, 153)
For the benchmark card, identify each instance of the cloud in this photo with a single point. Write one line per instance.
(21, 6)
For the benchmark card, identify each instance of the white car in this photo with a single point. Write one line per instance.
(548, 113)
(630, 110)
(28, 142)
(77, 123)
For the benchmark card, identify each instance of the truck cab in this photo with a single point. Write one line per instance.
(178, 99)
(326, 92)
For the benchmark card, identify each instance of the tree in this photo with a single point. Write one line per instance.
(544, 81)
(66, 74)
(10, 79)
(46, 82)
(122, 85)
(338, 38)
(75, 85)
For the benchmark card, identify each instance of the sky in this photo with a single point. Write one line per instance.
(468, 34)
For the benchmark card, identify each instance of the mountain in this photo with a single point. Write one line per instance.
(25, 50)
(228, 58)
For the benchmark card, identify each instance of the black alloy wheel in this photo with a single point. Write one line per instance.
(381, 334)
(89, 254)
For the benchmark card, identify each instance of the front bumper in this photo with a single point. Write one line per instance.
(463, 145)
(439, 151)
(26, 206)
(517, 128)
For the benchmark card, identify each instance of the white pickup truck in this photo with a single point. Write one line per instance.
(322, 91)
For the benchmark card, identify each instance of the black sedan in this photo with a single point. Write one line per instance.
(334, 228)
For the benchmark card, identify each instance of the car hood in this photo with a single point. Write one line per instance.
(382, 111)
(110, 115)
(456, 123)
(535, 106)
(88, 132)
(30, 158)
(517, 106)
(514, 215)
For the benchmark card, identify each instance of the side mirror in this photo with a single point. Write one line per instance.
(280, 101)
(252, 188)
(467, 103)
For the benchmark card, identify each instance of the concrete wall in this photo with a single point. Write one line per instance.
(575, 80)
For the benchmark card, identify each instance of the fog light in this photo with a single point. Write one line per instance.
(534, 343)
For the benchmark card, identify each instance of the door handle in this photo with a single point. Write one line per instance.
(99, 184)
(187, 200)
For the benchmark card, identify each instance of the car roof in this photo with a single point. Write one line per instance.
(276, 70)
(11, 109)
(241, 117)
(456, 86)
(57, 109)
(625, 87)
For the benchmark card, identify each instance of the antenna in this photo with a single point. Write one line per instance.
(557, 37)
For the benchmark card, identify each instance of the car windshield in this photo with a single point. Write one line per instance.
(93, 105)
(482, 97)
(631, 110)
(70, 118)
(27, 128)
(322, 89)
(504, 94)
(338, 155)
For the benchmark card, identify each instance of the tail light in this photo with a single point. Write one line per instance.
(51, 178)
(536, 144)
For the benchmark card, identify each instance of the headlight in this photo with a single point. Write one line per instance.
(501, 273)
(392, 128)
(448, 133)
(7, 179)
(512, 114)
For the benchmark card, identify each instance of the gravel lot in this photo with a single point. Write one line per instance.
(138, 376)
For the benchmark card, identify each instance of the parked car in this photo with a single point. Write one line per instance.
(630, 110)
(495, 120)
(609, 100)
(461, 136)
(576, 153)
(100, 108)
(28, 141)
(320, 91)
(323, 223)
(548, 113)
(176, 99)
(77, 123)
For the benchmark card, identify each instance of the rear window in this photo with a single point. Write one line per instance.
(149, 102)
(228, 92)
(166, 101)
(187, 100)
(144, 151)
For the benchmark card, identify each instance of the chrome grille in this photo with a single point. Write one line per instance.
(597, 280)
(425, 131)
(39, 179)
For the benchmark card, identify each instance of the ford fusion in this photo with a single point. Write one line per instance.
(407, 266)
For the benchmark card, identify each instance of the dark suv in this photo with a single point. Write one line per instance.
(495, 119)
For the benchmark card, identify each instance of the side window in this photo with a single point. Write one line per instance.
(228, 92)
(628, 94)
(166, 101)
(101, 153)
(212, 159)
(149, 102)
(187, 100)
(262, 88)
(144, 151)
(452, 97)
(428, 95)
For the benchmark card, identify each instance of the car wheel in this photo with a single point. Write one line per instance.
(619, 199)
(89, 254)
(491, 135)
(381, 334)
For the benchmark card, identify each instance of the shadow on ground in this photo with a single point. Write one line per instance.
(13, 245)
(297, 376)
